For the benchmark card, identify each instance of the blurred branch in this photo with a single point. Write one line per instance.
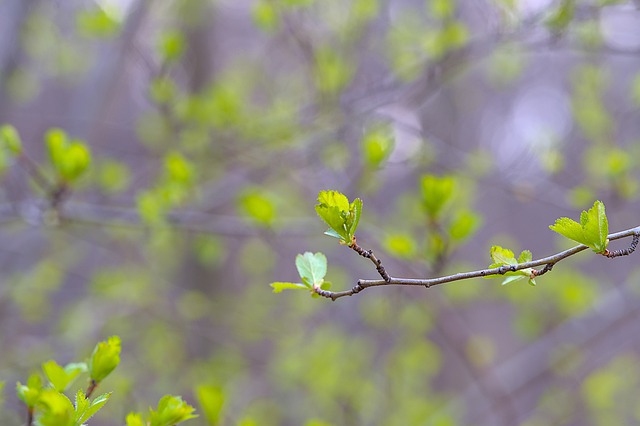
(596, 333)
(187, 221)
(548, 263)
(33, 170)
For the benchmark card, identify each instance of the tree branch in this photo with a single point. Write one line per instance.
(548, 261)
(369, 255)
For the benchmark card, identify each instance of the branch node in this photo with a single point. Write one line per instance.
(506, 268)
(325, 293)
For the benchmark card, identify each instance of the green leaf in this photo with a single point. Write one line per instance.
(105, 358)
(171, 411)
(332, 71)
(592, 230)
(333, 207)
(312, 268)
(96, 23)
(163, 90)
(171, 46)
(331, 216)
(54, 409)
(211, 400)
(400, 245)
(562, 16)
(85, 409)
(10, 139)
(82, 404)
(265, 15)
(30, 393)
(151, 207)
(135, 419)
(505, 257)
(178, 169)
(442, 9)
(114, 176)
(377, 144)
(258, 206)
(525, 256)
(60, 377)
(437, 193)
(512, 278)
(455, 35)
(334, 199)
(332, 233)
(464, 224)
(70, 159)
(502, 256)
(355, 210)
(280, 286)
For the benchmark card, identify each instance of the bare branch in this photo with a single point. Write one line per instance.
(548, 261)
(623, 252)
(369, 255)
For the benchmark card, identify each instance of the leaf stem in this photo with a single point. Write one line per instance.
(33, 169)
(92, 387)
(548, 261)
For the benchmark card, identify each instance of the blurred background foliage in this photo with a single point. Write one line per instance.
(213, 124)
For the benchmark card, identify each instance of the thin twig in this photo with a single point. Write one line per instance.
(623, 252)
(180, 220)
(548, 261)
(56, 193)
(33, 169)
(369, 255)
(92, 387)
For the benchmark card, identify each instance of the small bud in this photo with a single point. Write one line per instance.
(105, 358)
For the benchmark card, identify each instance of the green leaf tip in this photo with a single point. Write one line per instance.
(505, 257)
(592, 230)
(342, 217)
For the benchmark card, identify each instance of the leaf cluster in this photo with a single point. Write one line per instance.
(505, 257)
(592, 230)
(51, 407)
(342, 217)
(312, 268)
(170, 411)
(69, 158)
(173, 188)
(49, 402)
